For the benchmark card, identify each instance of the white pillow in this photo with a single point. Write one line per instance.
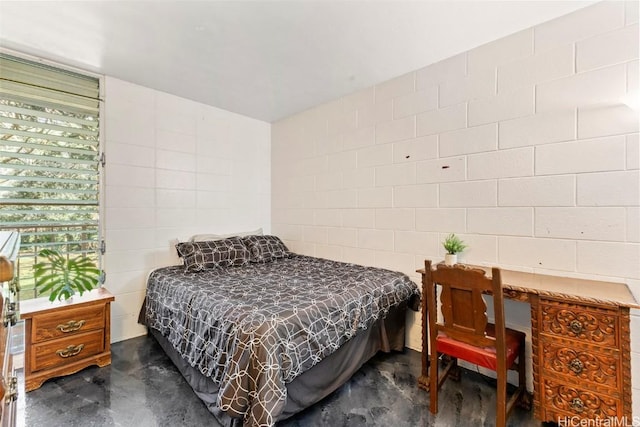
(209, 237)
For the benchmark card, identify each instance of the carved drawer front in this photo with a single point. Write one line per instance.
(68, 322)
(576, 401)
(581, 365)
(66, 350)
(594, 326)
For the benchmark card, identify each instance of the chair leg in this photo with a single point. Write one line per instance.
(454, 374)
(522, 371)
(524, 399)
(433, 382)
(501, 399)
(520, 397)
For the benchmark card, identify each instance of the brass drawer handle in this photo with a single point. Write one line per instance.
(577, 405)
(576, 366)
(71, 326)
(575, 326)
(70, 351)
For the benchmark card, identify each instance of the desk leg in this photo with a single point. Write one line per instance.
(423, 380)
(535, 358)
(625, 350)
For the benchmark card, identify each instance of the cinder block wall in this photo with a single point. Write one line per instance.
(521, 146)
(174, 168)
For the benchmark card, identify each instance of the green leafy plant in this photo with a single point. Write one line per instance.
(453, 245)
(62, 276)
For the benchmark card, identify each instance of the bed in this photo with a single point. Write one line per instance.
(261, 333)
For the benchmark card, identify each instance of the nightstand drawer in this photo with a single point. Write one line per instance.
(66, 350)
(590, 325)
(68, 322)
(598, 371)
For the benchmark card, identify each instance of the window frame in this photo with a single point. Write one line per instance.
(101, 197)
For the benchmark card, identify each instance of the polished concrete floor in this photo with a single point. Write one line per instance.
(142, 388)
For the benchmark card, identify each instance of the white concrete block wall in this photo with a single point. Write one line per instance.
(475, 139)
(521, 146)
(174, 168)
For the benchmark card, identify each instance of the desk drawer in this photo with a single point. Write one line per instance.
(598, 371)
(66, 350)
(591, 325)
(579, 402)
(67, 322)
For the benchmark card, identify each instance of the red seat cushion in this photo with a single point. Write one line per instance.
(486, 356)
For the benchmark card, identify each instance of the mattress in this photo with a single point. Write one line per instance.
(254, 329)
(313, 385)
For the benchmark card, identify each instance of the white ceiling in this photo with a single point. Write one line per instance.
(262, 59)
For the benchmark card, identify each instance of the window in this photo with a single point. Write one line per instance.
(49, 161)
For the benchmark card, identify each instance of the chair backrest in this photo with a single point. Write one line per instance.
(464, 311)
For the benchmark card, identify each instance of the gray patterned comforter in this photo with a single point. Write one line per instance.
(253, 329)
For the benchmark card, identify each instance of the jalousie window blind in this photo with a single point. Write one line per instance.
(49, 159)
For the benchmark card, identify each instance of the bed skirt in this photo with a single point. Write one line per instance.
(316, 383)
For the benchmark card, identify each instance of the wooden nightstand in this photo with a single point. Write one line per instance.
(62, 338)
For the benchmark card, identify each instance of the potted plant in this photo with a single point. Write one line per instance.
(453, 245)
(64, 276)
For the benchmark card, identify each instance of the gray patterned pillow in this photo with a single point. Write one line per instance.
(200, 256)
(266, 248)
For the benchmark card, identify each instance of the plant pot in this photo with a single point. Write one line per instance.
(450, 259)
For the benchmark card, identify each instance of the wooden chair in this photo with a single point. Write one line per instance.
(466, 334)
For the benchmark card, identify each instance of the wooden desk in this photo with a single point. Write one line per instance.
(580, 337)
